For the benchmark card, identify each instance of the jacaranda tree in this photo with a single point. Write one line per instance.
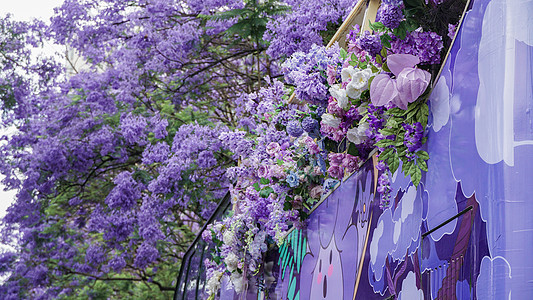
(117, 164)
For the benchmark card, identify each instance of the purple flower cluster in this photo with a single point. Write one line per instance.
(368, 42)
(294, 128)
(425, 45)
(390, 15)
(384, 189)
(299, 29)
(375, 122)
(304, 70)
(413, 136)
(342, 163)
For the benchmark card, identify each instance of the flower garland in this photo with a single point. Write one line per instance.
(373, 95)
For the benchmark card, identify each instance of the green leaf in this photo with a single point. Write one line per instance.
(422, 165)
(352, 149)
(388, 131)
(353, 63)
(406, 168)
(401, 30)
(378, 59)
(287, 206)
(385, 40)
(422, 154)
(264, 181)
(384, 143)
(343, 54)
(353, 57)
(385, 67)
(330, 145)
(266, 191)
(279, 162)
(300, 163)
(416, 176)
(377, 26)
(394, 163)
(256, 186)
(383, 156)
(383, 52)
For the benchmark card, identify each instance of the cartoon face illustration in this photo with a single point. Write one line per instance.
(327, 274)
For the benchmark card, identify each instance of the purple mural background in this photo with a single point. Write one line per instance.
(467, 231)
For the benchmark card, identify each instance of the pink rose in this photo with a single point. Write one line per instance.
(332, 74)
(336, 158)
(336, 171)
(273, 148)
(263, 171)
(335, 109)
(311, 145)
(350, 163)
(316, 192)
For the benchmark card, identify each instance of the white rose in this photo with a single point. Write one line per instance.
(357, 135)
(227, 237)
(213, 283)
(340, 94)
(331, 120)
(231, 261)
(352, 91)
(360, 79)
(347, 73)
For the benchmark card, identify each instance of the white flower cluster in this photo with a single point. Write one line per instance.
(356, 81)
(357, 135)
(213, 283)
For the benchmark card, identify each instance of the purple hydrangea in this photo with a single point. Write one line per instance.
(425, 45)
(294, 128)
(390, 15)
(309, 124)
(371, 43)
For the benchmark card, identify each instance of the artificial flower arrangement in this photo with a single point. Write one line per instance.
(372, 95)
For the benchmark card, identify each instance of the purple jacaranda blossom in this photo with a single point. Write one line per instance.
(390, 15)
(383, 90)
(411, 83)
(413, 136)
(309, 124)
(452, 28)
